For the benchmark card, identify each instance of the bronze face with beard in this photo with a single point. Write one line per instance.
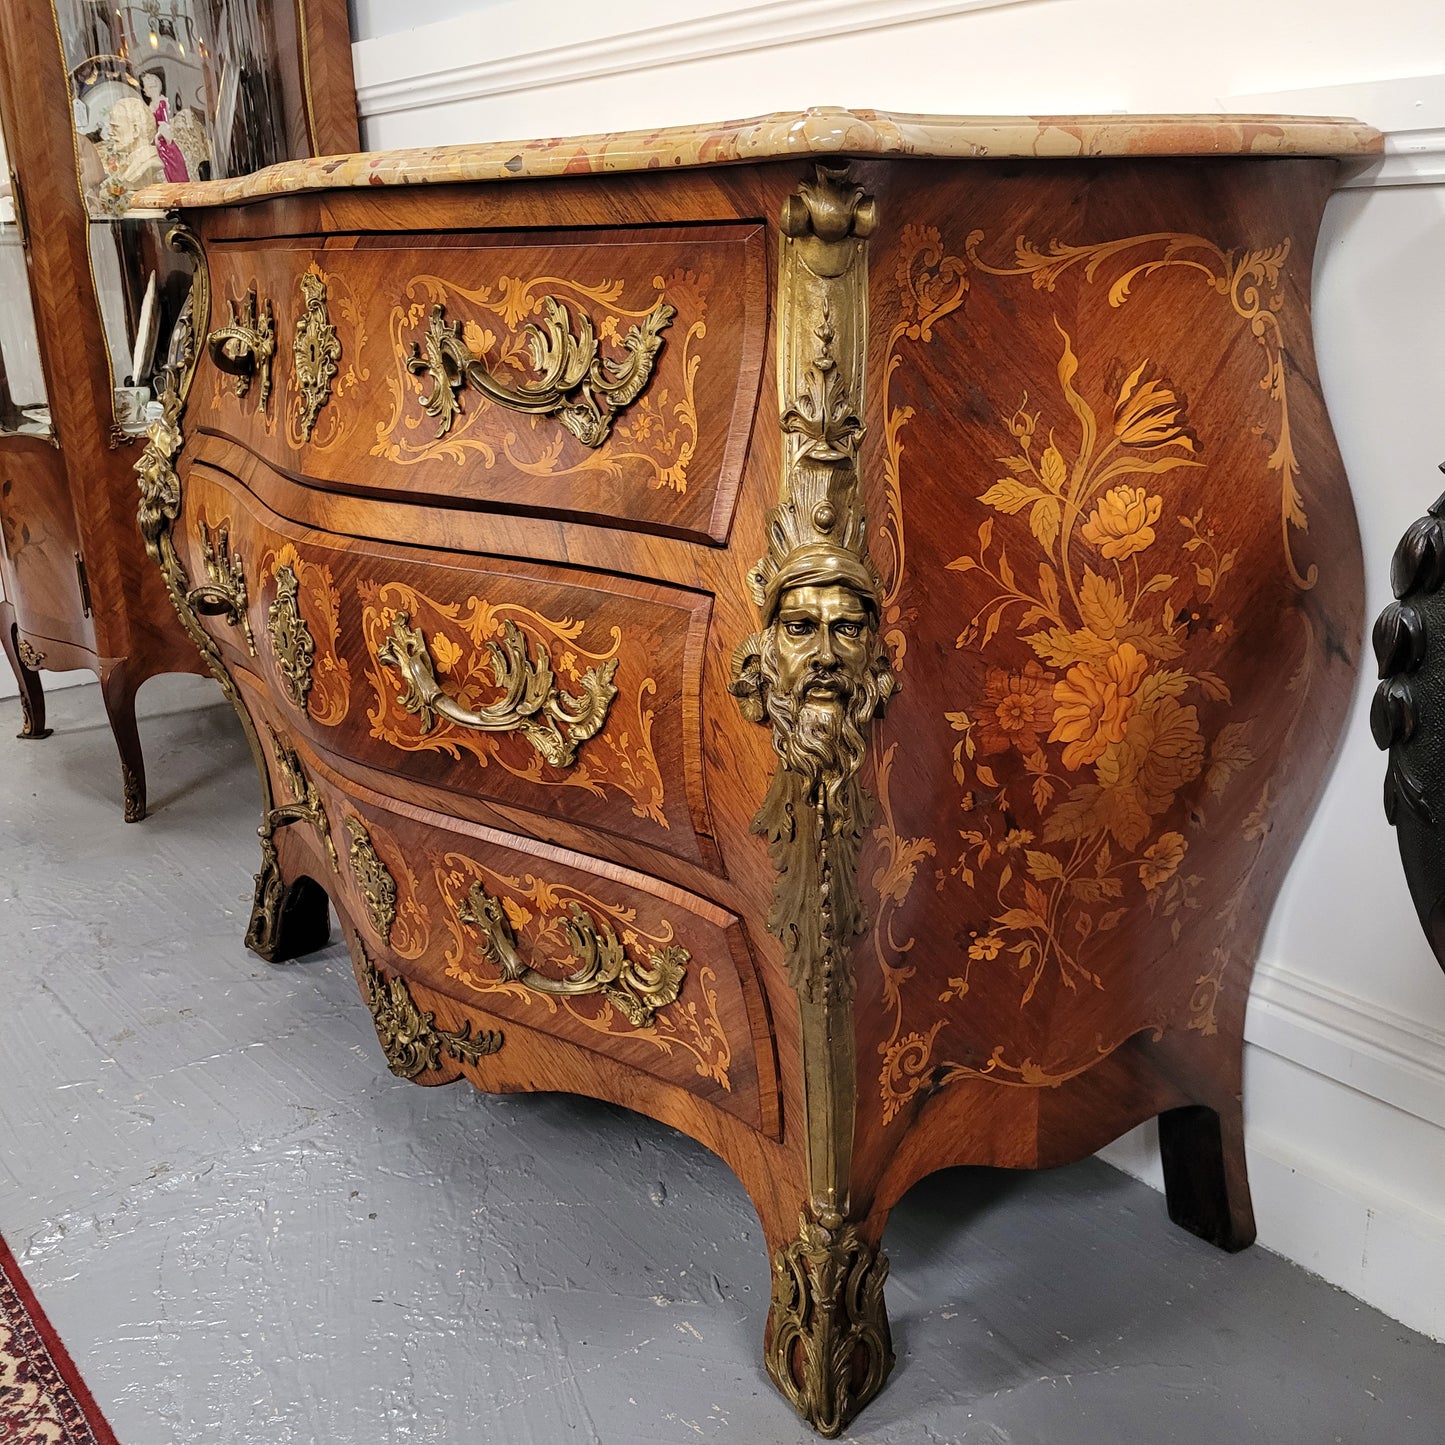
(817, 671)
(824, 680)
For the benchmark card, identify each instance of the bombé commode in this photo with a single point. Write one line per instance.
(825, 631)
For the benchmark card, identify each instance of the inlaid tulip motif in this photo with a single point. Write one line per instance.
(1106, 719)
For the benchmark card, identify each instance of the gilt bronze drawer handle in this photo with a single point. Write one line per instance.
(637, 990)
(246, 345)
(223, 593)
(581, 388)
(531, 702)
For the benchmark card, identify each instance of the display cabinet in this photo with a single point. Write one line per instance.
(99, 98)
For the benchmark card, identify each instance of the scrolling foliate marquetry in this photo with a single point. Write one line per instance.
(651, 432)
(527, 912)
(818, 675)
(602, 963)
(317, 352)
(459, 666)
(554, 721)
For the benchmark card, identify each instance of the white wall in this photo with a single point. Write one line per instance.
(1346, 1056)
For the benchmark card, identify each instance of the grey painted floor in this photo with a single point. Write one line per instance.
(247, 1231)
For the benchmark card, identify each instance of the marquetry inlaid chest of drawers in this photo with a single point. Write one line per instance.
(825, 631)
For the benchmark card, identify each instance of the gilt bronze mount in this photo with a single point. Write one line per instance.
(245, 347)
(317, 352)
(223, 594)
(636, 990)
(292, 644)
(582, 388)
(373, 878)
(409, 1036)
(553, 721)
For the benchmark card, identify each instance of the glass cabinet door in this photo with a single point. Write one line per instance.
(24, 408)
(168, 90)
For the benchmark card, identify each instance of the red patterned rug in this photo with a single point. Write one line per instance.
(43, 1400)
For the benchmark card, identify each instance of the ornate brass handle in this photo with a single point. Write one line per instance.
(223, 593)
(245, 346)
(577, 385)
(637, 990)
(531, 702)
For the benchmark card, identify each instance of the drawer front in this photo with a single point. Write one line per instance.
(564, 692)
(603, 378)
(667, 984)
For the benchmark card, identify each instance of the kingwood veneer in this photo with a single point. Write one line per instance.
(635, 765)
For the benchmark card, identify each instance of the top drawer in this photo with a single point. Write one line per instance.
(606, 377)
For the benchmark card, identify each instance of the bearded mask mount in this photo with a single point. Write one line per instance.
(816, 672)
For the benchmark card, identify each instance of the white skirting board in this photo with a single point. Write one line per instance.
(1345, 1134)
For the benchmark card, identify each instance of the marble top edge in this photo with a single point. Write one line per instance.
(825, 130)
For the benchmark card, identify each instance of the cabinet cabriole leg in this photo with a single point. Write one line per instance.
(32, 694)
(118, 689)
(288, 920)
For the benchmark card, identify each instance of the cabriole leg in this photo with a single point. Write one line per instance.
(118, 687)
(32, 695)
(287, 919)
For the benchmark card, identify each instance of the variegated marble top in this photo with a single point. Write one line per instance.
(824, 130)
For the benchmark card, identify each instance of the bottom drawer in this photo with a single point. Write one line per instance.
(610, 960)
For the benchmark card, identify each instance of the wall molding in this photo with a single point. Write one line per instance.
(1376, 1051)
(1412, 158)
(396, 73)
(1409, 110)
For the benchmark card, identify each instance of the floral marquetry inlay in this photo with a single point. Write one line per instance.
(1099, 551)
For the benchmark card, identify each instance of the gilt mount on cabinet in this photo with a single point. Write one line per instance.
(830, 696)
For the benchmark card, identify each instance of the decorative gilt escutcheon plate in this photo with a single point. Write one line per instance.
(291, 642)
(317, 352)
(373, 878)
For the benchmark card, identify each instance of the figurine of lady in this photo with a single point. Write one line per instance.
(173, 161)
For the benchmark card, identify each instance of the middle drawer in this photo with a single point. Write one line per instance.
(569, 693)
